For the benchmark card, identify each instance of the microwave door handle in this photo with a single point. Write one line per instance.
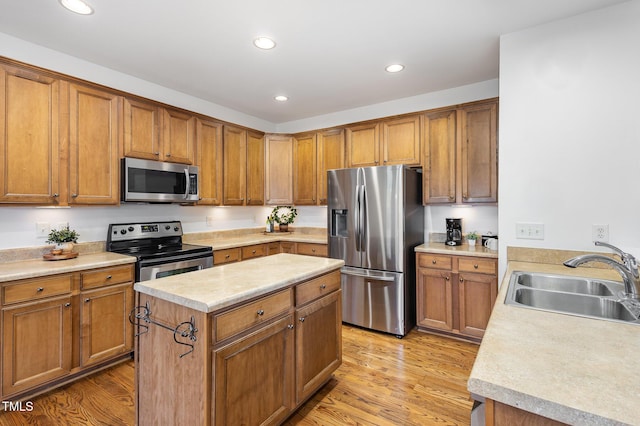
(186, 192)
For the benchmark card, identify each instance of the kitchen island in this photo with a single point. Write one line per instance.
(540, 368)
(242, 343)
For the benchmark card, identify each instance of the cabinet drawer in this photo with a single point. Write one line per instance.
(226, 256)
(273, 248)
(312, 249)
(243, 318)
(434, 261)
(473, 264)
(257, 250)
(39, 288)
(106, 276)
(317, 287)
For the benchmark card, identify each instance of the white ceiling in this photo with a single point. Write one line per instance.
(330, 54)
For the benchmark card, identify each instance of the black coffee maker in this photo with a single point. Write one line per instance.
(454, 232)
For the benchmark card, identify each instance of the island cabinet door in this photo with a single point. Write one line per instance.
(319, 343)
(254, 377)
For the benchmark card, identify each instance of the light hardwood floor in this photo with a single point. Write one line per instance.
(418, 380)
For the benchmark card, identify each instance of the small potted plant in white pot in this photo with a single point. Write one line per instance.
(284, 216)
(63, 239)
(471, 238)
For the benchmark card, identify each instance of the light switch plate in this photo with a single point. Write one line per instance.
(530, 231)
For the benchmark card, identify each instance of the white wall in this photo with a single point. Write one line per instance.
(569, 135)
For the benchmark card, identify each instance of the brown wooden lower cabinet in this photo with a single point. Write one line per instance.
(253, 363)
(455, 294)
(238, 254)
(499, 414)
(53, 332)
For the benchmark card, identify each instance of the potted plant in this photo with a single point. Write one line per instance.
(472, 237)
(284, 215)
(63, 239)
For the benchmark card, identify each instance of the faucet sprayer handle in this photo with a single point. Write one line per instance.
(627, 258)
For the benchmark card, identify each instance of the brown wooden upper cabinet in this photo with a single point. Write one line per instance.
(243, 167)
(209, 161)
(331, 147)
(305, 185)
(460, 163)
(278, 170)
(95, 135)
(384, 143)
(29, 141)
(155, 133)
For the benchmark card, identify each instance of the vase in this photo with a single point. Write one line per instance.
(472, 243)
(283, 227)
(65, 247)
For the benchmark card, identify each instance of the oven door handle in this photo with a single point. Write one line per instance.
(186, 192)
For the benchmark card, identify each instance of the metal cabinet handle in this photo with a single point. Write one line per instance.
(313, 250)
(156, 153)
(87, 300)
(260, 312)
(434, 261)
(168, 154)
(290, 326)
(108, 277)
(301, 319)
(475, 266)
(40, 289)
(322, 287)
(66, 305)
(227, 256)
(74, 195)
(55, 195)
(461, 279)
(253, 252)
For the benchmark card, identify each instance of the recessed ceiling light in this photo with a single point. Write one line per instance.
(77, 6)
(264, 43)
(394, 68)
(281, 98)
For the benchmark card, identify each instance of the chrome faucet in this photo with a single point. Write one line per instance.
(628, 269)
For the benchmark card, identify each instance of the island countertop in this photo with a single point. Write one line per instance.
(568, 368)
(212, 289)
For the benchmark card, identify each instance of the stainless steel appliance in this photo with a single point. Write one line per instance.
(159, 249)
(375, 220)
(158, 182)
(454, 232)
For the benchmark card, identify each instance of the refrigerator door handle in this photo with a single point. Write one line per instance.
(349, 271)
(363, 216)
(356, 214)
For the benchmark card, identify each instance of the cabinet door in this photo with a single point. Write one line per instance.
(234, 154)
(29, 142)
(105, 330)
(401, 141)
(434, 298)
(479, 153)
(287, 247)
(304, 170)
(141, 130)
(36, 344)
(254, 377)
(318, 343)
(178, 137)
(279, 160)
(255, 169)
(363, 145)
(94, 140)
(209, 151)
(330, 156)
(439, 175)
(477, 294)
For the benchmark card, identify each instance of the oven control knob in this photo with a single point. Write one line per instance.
(176, 229)
(131, 229)
(123, 231)
(167, 227)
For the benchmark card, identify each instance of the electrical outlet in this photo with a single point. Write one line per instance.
(530, 231)
(600, 233)
(42, 229)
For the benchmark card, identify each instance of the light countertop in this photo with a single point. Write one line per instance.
(221, 243)
(18, 270)
(463, 250)
(571, 369)
(215, 288)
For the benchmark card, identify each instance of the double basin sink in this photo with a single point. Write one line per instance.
(580, 296)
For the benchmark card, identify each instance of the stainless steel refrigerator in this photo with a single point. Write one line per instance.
(375, 220)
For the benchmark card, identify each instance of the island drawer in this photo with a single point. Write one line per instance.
(312, 249)
(226, 256)
(434, 261)
(106, 276)
(23, 291)
(257, 250)
(245, 317)
(317, 287)
(472, 264)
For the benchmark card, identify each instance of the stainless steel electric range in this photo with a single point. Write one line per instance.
(159, 249)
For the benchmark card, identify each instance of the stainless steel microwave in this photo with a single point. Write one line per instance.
(147, 181)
